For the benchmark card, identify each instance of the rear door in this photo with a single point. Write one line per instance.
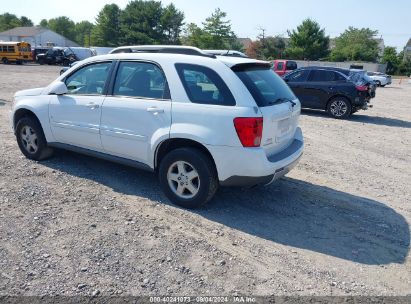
(137, 112)
(279, 106)
(319, 88)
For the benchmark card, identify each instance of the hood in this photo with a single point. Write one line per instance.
(30, 92)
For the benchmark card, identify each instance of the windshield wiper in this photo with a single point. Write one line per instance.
(281, 100)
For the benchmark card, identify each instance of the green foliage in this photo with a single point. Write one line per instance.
(83, 31)
(9, 21)
(216, 33)
(404, 66)
(63, 26)
(267, 48)
(24, 21)
(355, 45)
(106, 32)
(140, 23)
(194, 36)
(44, 23)
(171, 22)
(308, 41)
(390, 57)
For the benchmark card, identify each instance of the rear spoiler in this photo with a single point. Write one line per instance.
(251, 65)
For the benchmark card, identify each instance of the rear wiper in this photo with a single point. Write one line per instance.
(281, 100)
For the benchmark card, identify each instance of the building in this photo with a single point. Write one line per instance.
(36, 36)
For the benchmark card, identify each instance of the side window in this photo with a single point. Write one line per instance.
(291, 65)
(298, 76)
(89, 80)
(322, 75)
(280, 66)
(339, 77)
(203, 85)
(140, 79)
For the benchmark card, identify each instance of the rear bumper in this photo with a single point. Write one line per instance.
(238, 166)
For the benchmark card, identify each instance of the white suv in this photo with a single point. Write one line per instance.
(197, 120)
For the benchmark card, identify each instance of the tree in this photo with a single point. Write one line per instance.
(63, 26)
(267, 48)
(390, 57)
(308, 42)
(218, 31)
(44, 23)
(106, 32)
(140, 23)
(194, 36)
(356, 45)
(171, 21)
(9, 21)
(83, 33)
(215, 34)
(404, 66)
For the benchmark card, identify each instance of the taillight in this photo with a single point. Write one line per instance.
(362, 88)
(249, 130)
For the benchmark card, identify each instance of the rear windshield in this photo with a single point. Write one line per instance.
(264, 84)
(359, 77)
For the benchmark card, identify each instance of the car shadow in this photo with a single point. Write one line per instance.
(382, 121)
(291, 212)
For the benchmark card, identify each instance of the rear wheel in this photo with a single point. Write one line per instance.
(187, 177)
(31, 139)
(5, 60)
(339, 107)
(378, 83)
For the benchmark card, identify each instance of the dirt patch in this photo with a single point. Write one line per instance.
(337, 225)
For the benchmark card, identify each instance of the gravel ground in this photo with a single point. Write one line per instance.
(337, 225)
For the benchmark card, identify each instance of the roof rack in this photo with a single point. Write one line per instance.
(167, 49)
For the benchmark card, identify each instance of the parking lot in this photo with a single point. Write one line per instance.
(338, 224)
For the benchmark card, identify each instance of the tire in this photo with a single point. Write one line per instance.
(31, 139)
(192, 167)
(41, 61)
(339, 107)
(5, 60)
(378, 83)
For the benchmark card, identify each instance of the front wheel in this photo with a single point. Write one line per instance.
(31, 139)
(187, 177)
(339, 107)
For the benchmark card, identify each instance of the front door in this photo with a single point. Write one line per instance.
(137, 113)
(75, 116)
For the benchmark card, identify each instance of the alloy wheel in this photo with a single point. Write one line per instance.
(338, 108)
(29, 139)
(183, 179)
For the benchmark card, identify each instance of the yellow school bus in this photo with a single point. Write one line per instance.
(17, 52)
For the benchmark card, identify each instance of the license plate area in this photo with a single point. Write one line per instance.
(284, 126)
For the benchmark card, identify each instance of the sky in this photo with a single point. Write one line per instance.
(392, 19)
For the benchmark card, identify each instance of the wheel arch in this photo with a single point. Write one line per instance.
(23, 112)
(174, 143)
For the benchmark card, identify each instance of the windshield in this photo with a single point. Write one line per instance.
(264, 84)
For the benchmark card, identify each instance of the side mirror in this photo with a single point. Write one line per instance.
(58, 88)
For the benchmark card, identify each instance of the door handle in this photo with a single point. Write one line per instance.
(155, 110)
(92, 106)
